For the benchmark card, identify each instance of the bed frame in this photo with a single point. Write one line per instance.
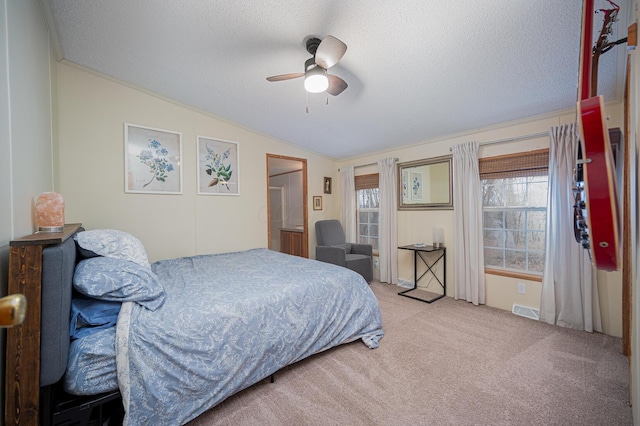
(41, 267)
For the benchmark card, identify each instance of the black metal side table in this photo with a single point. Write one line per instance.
(417, 253)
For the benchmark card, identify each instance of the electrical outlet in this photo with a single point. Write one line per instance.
(522, 288)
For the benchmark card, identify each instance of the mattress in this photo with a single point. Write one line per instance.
(229, 321)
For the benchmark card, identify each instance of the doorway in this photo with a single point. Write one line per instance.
(286, 205)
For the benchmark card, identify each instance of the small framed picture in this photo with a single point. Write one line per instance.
(416, 186)
(327, 185)
(317, 202)
(152, 159)
(405, 187)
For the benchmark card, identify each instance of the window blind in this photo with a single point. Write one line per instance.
(367, 181)
(531, 163)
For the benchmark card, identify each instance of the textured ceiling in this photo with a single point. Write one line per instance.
(417, 70)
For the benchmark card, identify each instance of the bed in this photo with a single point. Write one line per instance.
(188, 332)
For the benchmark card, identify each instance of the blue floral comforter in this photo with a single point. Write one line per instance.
(230, 320)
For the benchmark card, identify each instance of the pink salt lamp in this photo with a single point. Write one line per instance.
(50, 212)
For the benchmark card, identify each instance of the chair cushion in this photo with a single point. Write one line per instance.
(352, 257)
(346, 247)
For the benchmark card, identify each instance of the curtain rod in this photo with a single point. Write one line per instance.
(371, 164)
(514, 139)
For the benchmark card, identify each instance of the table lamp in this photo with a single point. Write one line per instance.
(50, 212)
(438, 237)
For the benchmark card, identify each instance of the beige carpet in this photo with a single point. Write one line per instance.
(445, 363)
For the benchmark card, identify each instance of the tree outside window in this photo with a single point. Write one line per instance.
(514, 218)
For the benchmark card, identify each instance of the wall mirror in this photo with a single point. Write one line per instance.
(426, 184)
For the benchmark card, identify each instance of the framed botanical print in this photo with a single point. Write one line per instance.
(218, 167)
(153, 159)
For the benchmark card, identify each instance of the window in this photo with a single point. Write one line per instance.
(368, 209)
(515, 211)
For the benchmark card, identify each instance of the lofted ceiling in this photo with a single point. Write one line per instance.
(417, 70)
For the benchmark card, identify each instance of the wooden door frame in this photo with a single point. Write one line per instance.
(305, 203)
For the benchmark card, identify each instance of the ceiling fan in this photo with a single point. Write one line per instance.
(326, 53)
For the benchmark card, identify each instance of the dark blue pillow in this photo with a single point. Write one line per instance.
(91, 315)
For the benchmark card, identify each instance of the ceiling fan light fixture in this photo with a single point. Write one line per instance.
(326, 53)
(316, 80)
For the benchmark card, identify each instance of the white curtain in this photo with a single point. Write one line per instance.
(569, 287)
(347, 178)
(467, 203)
(387, 228)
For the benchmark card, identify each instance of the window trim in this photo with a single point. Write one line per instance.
(512, 274)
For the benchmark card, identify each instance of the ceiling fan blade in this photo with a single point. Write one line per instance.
(285, 76)
(330, 51)
(336, 85)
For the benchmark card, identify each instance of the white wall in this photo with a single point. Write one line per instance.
(26, 136)
(6, 223)
(634, 102)
(92, 110)
(414, 226)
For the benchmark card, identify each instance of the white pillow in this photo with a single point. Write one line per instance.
(113, 243)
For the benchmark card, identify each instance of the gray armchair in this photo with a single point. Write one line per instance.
(332, 248)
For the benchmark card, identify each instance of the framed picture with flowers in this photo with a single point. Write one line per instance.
(152, 160)
(218, 167)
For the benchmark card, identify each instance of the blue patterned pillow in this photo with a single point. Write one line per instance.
(113, 243)
(118, 280)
